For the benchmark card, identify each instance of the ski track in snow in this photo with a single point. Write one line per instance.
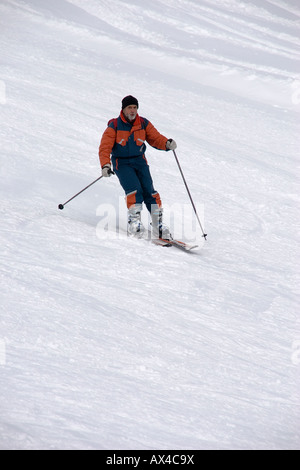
(119, 344)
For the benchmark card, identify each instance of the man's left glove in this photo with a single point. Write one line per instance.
(171, 144)
(107, 171)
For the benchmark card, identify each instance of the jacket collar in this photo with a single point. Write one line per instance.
(135, 125)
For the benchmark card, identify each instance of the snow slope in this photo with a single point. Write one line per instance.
(110, 343)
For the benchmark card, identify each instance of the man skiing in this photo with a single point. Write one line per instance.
(123, 145)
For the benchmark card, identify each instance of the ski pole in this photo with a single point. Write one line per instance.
(188, 191)
(61, 206)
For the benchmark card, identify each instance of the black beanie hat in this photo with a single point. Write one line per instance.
(129, 100)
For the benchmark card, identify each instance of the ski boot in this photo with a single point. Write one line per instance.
(135, 226)
(159, 229)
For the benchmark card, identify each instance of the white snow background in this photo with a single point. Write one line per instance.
(112, 343)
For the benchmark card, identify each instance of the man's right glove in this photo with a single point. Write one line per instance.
(171, 144)
(107, 171)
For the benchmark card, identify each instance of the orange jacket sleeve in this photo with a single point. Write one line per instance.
(154, 138)
(107, 142)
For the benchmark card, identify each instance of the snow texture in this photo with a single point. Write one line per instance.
(111, 343)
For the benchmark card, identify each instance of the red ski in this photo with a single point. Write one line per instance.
(179, 244)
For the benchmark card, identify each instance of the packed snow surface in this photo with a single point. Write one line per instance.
(112, 343)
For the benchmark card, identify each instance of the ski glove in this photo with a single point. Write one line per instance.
(171, 144)
(106, 171)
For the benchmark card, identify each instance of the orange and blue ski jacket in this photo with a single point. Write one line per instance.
(122, 139)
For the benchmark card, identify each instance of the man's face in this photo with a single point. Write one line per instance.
(130, 112)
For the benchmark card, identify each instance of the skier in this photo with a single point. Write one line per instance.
(123, 145)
